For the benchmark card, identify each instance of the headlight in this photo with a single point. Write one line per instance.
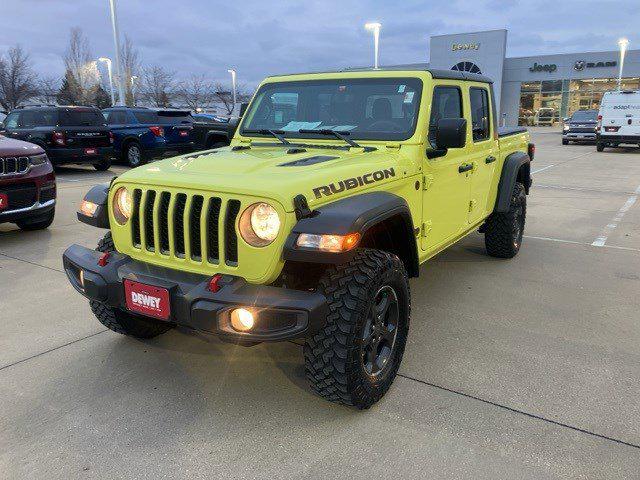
(566, 127)
(38, 159)
(259, 224)
(122, 205)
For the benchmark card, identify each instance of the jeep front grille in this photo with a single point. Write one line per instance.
(185, 226)
(13, 165)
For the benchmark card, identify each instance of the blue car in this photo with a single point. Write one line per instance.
(141, 134)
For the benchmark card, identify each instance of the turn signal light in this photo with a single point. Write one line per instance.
(59, 138)
(157, 131)
(328, 243)
(88, 208)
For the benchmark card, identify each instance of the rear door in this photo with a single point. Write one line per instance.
(177, 125)
(620, 113)
(84, 128)
(483, 150)
(446, 186)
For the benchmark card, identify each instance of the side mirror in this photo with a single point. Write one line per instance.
(451, 133)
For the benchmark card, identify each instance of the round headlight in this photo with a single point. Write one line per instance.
(122, 205)
(259, 224)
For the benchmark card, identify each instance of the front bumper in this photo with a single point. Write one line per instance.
(281, 313)
(35, 212)
(579, 136)
(614, 138)
(168, 149)
(59, 156)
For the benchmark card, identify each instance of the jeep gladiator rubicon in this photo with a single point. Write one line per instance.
(335, 188)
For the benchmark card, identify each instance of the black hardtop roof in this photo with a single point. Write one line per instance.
(435, 73)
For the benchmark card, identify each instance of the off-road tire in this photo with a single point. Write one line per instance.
(503, 231)
(38, 225)
(120, 321)
(334, 360)
(599, 147)
(565, 142)
(103, 165)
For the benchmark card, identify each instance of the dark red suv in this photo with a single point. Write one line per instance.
(27, 185)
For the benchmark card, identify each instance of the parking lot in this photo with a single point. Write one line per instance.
(527, 368)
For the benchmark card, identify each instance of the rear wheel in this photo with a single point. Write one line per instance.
(355, 357)
(503, 231)
(133, 155)
(599, 147)
(565, 142)
(120, 321)
(103, 165)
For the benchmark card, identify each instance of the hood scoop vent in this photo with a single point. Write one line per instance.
(303, 162)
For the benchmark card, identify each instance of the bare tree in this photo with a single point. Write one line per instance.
(195, 92)
(157, 86)
(224, 95)
(131, 67)
(48, 89)
(18, 82)
(82, 71)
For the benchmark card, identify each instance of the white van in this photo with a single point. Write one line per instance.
(618, 119)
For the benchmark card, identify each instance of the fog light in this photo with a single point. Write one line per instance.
(242, 319)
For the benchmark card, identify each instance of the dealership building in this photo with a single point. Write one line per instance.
(540, 89)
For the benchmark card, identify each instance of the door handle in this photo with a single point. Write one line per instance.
(490, 159)
(465, 167)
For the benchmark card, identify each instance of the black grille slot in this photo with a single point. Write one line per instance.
(148, 220)
(212, 230)
(163, 221)
(194, 220)
(21, 195)
(135, 217)
(231, 238)
(47, 193)
(178, 224)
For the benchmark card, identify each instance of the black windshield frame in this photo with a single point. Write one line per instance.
(415, 84)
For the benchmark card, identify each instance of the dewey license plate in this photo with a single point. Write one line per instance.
(184, 133)
(90, 151)
(147, 299)
(4, 201)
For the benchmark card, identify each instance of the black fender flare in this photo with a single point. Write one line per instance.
(359, 213)
(511, 171)
(100, 196)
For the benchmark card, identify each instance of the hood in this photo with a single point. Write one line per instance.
(14, 148)
(271, 172)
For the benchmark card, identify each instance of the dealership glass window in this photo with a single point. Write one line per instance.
(546, 102)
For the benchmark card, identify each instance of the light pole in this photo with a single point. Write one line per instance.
(116, 44)
(375, 28)
(233, 86)
(623, 43)
(133, 88)
(108, 62)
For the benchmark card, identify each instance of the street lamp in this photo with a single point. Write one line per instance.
(108, 62)
(133, 88)
(623, 43)
(116, 43)
(233, 86)
(375, 28)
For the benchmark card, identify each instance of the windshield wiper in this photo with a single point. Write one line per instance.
(274, 133)
(327, 131)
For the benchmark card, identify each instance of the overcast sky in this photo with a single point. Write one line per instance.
(264, 37)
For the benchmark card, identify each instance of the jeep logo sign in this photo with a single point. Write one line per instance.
(550, 67)
(465, 46)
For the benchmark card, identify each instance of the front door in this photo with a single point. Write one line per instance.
(447, 182)
(483, 152)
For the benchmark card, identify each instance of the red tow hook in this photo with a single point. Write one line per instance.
(214, 283)
(103, 260)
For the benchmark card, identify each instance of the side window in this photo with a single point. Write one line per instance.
(480, 120)
(116, 117)
(446, 103)
(12, 120)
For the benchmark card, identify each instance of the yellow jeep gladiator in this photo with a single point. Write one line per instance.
(335, 188)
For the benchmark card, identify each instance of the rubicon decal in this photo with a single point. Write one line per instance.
(353, 182)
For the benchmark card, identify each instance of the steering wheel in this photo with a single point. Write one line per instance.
(385, 125)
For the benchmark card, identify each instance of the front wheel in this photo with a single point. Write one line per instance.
(133, 155)
(565, 142)
(102, 165)
(503, 231)
(599, 147)
(355, 357)
(39, 224)
(120, 321)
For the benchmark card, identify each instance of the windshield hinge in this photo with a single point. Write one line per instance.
(246, 140)
(427, 181)
(426, 228)
(393, 145)
(472, 205)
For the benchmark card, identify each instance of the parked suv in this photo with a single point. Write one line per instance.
(67, 134)
(27, 185)
(141, 134)
(580, 127)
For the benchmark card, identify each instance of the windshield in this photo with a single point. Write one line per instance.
(585, 116)
(89, 118)
(368, 109)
